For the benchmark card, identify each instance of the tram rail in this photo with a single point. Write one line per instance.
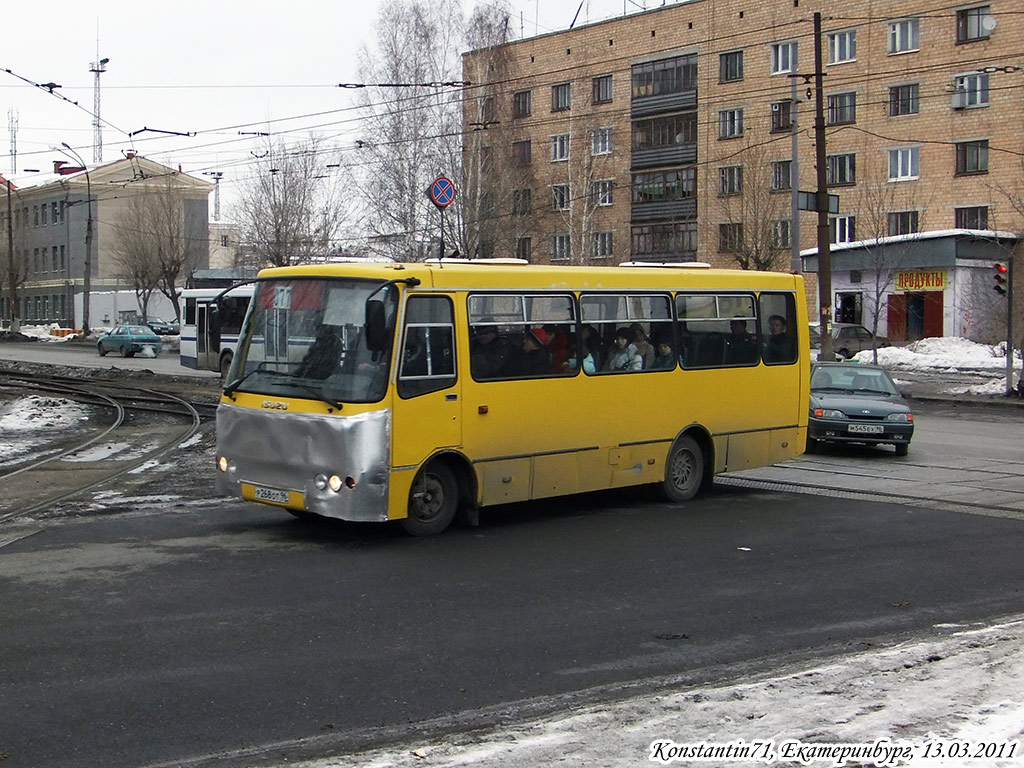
(41, 481)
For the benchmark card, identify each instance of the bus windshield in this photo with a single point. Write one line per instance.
(307, 338)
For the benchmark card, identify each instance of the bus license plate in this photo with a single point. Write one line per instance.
(866, 429)
(272, 495)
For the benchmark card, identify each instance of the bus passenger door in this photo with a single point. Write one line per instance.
(202, 335)
(427, 412)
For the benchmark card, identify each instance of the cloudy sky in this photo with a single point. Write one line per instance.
(213, 68)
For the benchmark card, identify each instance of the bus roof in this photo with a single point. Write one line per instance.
(209, 293)
(505, 273)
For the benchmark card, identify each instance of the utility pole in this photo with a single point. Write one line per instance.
(824, 252)
(87, 265)
(15, 325)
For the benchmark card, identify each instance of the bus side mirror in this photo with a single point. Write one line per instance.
(376, 326)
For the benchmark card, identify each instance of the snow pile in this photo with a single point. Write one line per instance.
(28, 420)
(966, 683)
(940, 354)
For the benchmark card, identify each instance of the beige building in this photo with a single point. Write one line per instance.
(669, 135)
(51, 232)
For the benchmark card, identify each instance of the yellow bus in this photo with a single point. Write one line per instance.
(419, 392)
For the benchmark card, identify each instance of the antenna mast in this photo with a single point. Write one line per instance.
(98, 67)
(12, 126)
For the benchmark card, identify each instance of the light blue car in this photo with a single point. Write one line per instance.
(129, 340)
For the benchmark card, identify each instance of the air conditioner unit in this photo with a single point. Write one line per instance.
(959, 99)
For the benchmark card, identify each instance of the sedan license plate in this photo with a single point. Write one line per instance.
(866, 429)
(272, 495)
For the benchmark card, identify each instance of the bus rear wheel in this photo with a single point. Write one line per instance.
(433, 501)
(684, 470)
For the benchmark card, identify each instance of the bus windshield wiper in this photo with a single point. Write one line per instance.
(233, 386)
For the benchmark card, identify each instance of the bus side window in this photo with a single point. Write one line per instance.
(428, 347)
(778, 328)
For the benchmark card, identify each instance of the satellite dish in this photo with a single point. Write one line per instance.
(988, 24)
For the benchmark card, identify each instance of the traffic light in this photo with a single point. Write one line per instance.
(1000, 277)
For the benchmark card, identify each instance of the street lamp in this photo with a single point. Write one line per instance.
(15, 325)
(87, 266)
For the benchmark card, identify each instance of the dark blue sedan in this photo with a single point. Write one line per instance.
(857, 403)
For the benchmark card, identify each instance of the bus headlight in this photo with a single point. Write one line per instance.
(335, 483)
(222, 463)
(320, 481)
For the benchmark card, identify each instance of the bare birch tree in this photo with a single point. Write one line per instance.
(291, 209)
(412, 123)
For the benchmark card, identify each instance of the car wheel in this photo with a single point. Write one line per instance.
(124, 351)
(684, 470)
(812, 446)
(433, 501)
(101, 350)
(902, 449)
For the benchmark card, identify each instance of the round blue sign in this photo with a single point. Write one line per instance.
(442, 192)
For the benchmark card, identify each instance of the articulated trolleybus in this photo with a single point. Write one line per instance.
(210, 328)
(419, 392)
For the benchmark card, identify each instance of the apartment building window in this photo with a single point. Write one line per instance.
(903, 223)
(903, 164)
(53, 212)
(780, 234)
(783, 57)
(730, 180)
(487, 114)
(521, 104)
(602, 245)
(904, 35)
(44, 214)
(54, 259)
(904, 99)
(975, 217)
(782, 175)
(972, 157)
(841, 169)
(521, 152)
(602, 89)
(842, 229)
(524, 245)
(842, 46)
(62, 211)
(522, 202)
(663, 186)
(63, 262)
(560, 147)
(35, 215)
(730, 237)
(660, 239)
(223, 241)
(730, 123)
(561, 247)
(560, 197)
(970, 24)
(730, 66)
(972, 90)
(603, 191)
(561, 97)
(782, 116)
(842, 108)
(655, 78)
(601, 141)
(668, 131)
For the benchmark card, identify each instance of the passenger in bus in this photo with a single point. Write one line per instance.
(323, 356)
(592, 345)
(643, 347)
(489, 352)
(781, 346)
(623, 355)
(534, 359)
(742, 348)
(558, 346)
(665, 359)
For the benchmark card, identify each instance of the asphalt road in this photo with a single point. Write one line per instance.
(154, 639)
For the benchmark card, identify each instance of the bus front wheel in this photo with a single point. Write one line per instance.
(684, 470)
(433, 501)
